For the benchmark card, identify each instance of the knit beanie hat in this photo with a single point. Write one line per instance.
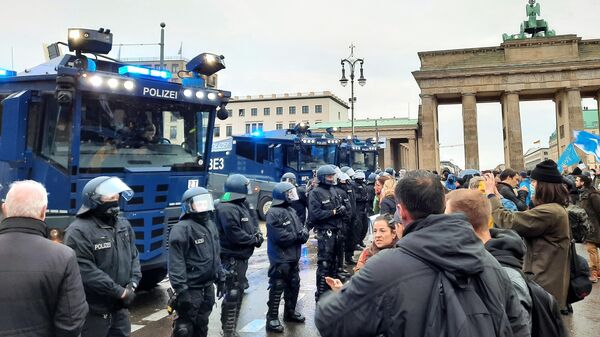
(547, 171)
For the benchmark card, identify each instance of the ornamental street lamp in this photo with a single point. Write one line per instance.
(352, 61)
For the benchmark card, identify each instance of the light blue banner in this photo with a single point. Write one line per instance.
(588, 143)
(568, 157)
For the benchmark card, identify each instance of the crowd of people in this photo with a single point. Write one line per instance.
(484, 254)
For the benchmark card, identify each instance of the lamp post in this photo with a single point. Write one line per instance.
(162, 45)
(352, 61)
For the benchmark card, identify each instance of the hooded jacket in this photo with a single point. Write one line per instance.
(508, 248)
(590, 201)
(391, 293)
(508, 193)
(42, 294)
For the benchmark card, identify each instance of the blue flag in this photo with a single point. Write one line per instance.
(588, 143)
(568, 157)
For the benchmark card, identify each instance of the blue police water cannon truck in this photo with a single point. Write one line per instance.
(84, 115)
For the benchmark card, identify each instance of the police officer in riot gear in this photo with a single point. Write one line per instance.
(362, 204)
(285, 236)
(194, 263)
(346, 191)
(239, 235)
(390, 171)
(107, 256)
(301, 204)
(326, 213)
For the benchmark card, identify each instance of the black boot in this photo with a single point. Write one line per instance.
(273, 324)
(322, 287)
(349, 260)
(291, 299)
(229, 313)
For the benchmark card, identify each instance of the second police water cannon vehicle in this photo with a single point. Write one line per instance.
(359, 154)
(84, 115)
(264, 157)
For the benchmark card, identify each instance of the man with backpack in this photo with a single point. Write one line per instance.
(589, 200)
(439, 280)
(543, 313)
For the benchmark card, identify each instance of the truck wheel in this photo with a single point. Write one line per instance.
(150, 278)
(263, 207)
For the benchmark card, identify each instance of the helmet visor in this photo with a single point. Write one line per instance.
(292, 195)
(201, 203)
(114, 186)
(289, 180)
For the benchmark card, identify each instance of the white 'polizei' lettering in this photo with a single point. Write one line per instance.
(104, 245)
(161, 93)
(199, 241)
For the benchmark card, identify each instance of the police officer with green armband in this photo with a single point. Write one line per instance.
(195, 264)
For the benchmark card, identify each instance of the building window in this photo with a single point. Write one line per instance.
(339, 115)
(229, 113)
(267, 111)
(245, 149)
(279, 110)
(260, 126)
(318, 109)
(173, 133)
(305, 109)
(292, 110)
(248, 128)
(175, 68)
(278, 126)
(251, 127)
(228, 130)
(291, 125)
(254, 112)
(242, 112)
(217, 131)
(317, 122)
(562, 131)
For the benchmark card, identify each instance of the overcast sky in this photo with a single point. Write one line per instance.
(278, 46)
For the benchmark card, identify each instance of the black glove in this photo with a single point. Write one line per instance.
(128, 296)
(302, 236)
(221, 278)
(184, 301)
(340, 210)
(259, 239)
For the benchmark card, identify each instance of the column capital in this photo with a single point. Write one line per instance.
(426, 96)
(511, 92)
(572, 89)
(468, 94)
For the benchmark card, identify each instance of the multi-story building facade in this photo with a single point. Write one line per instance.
(279, 111)
(535, 156)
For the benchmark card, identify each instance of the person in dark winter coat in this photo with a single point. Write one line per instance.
(42, 293)
(509, 180)
(195, 263)
(589, 200)
(390, 296)
(285, 236)
(362, 205)
(107, 256)
(388, 202)
(239, 235)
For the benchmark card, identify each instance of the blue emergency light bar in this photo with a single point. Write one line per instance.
(257, 133)
(144, 72)
(7, 73)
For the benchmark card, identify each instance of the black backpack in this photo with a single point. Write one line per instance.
(462, 310)
(580, 285)
(579, 222)
(546, 320)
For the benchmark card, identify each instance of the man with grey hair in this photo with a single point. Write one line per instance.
(42, 290)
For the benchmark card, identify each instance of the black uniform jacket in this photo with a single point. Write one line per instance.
(237, 229)
(284, 237)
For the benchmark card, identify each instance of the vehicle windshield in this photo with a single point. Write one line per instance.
(119, 132)
(364, 160)
(314, 156)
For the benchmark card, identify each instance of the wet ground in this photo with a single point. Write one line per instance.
(150, 319)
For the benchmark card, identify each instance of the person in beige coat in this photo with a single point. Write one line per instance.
(545, 229)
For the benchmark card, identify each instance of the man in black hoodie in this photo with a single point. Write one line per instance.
(392, 294)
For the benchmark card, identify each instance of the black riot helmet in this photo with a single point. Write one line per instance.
(390, 171)
(103, 186)
(323, 172)
(289, 177)
(371, 178)
(284, 192)
(237, 187)
(197, 200)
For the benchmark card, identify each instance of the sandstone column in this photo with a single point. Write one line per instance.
(387, 154)
(511, 131)
(569, 116)
(598, 108)
(412, 154)
(429, 156)
(469, 109)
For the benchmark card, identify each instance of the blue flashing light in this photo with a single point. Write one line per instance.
(144, 72)
(257, 133)
(7, 73)
(91, 67)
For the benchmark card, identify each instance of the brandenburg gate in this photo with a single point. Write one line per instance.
(542, 66)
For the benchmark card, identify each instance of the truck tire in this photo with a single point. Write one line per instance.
(263, 207)
(151, 278)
